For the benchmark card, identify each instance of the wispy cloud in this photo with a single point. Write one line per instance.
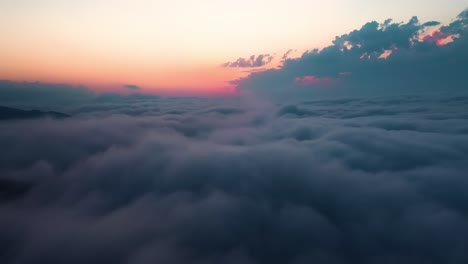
(132, 87)
(252, 61)
(286, 54)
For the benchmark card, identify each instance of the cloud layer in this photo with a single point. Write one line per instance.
(239, 180)
(379, 58)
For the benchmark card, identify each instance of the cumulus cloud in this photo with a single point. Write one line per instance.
(379, 58)
(239, 180)
(251, 62)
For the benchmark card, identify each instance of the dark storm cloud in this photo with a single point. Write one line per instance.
(239, 180)
(252, 61)
(385, 58)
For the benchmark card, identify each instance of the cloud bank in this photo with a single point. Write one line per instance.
(40, 95)
(239, 180)
(379, 58)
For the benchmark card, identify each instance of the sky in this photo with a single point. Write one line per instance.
(178, 46)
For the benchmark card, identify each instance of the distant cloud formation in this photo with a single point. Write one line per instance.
(70, 99)
(379, 58)
(132, 87)
(251, 62)
(36, 94)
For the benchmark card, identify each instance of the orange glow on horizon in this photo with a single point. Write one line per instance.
(70, 65)
(176, 46)
(104, 75)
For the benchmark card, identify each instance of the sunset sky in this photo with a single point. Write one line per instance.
(177, 46)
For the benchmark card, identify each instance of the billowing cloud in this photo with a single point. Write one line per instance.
(379, 58)
(238, 180)
(252, 61)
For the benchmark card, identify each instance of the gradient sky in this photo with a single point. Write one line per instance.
(177, 46)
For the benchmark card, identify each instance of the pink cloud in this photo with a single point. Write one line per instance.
(365, 56)
(310, 80)
(386, 54)
(439, 38)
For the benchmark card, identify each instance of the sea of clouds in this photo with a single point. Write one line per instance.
(143, 179)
